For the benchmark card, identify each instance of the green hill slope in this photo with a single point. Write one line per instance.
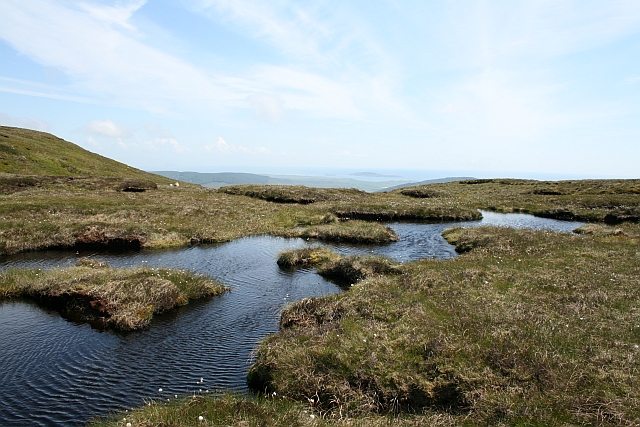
(30, 152)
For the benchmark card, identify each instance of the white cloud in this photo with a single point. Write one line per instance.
(23, 122)
(171, 142)
(92, 142)
(157, 130)
(118, 15)
(266, 106)
(104, 63)
(113, 67)
(223, 146)
(481, 32)
(107, 128)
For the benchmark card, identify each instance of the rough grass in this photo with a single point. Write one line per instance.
(232, 410)
(124, 299)
(351, 231)
(290, 193)
(65, 213)
(29, 152)
(525, 328)
(11, 183)
(611, 201)
(305, 257)
(344, 270)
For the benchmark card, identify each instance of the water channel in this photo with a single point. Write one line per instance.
(55, 372)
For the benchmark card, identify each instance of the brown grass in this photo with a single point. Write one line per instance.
(124, 299)
(526, 328)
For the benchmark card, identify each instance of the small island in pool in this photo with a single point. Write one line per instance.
(111, 298)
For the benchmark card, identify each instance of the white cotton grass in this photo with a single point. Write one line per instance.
(200, 418)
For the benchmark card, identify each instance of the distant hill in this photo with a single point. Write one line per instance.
(217, 180)
(430, 181)
(30, 152)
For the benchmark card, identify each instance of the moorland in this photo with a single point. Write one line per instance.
(523, 328)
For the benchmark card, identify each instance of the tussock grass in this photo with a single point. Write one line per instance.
(233, 410)
(290, 193)
(124, 299)
(351, 231)
(11, 183)
(610, 201)
(349, 270)
(305, 257)
(70, 212)
(344, 270)
(420, 193)
(526, 328)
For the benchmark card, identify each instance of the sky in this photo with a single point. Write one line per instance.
(504, 87)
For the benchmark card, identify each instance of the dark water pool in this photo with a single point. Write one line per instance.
(54, 372)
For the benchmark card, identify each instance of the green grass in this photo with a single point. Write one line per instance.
(305, 257)
(124, 299)
(612, 201)
(232, 410)
(351, 231)
(525, 328)
(29, 152)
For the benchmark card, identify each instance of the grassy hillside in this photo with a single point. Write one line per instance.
(30, 152)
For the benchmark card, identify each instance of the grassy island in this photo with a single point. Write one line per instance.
(124, 299)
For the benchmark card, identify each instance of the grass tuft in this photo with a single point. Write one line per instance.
(526, 328)
(305, 257)
(124, 299)
(351, 231)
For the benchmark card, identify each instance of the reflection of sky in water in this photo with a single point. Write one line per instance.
(424, 240)
(55, 372)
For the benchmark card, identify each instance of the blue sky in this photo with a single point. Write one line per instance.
(512, 87)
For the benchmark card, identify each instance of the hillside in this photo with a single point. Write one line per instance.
(30, 152)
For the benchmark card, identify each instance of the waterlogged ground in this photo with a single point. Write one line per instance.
(55, 372)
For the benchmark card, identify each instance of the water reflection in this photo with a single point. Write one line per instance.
(55, 372)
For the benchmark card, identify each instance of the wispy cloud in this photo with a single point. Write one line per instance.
(223, 146)
(118, 15)
(107, 63)
(23, 122)
(104, 63)
(107, 128)
(168, 142)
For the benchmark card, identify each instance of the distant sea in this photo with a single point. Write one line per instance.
(378, 175)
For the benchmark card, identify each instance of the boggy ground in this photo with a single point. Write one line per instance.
(524, 328)
(124, 299)
(612, 201)
(45, 212)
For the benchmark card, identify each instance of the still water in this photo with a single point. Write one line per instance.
(56, 372)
